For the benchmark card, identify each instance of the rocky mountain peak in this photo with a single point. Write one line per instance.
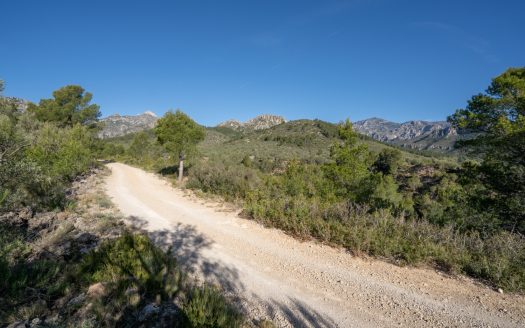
(118, 125)
(260, 122)
(232, 124)
(150, 113)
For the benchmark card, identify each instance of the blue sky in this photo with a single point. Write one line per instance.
(398, 60)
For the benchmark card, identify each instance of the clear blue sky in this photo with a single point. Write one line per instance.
(215, 60)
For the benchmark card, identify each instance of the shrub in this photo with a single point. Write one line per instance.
(135, 272)
(206, 307)
(232, 182)
(133, 261)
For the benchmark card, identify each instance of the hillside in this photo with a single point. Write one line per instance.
(436, 137)
(305, 140)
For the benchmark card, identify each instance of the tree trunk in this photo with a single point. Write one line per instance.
(181, 169)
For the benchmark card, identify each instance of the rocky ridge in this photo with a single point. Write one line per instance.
(260, 122)
(412, 134)
(119, 125)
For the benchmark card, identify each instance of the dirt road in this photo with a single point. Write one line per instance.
(301, 284)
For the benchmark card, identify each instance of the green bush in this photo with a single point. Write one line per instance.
(133, 261)
(232, 182)
(388, 161)
(24, 283)
(206, 307)
(40, 160)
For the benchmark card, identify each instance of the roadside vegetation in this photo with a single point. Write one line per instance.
(55, 270)
(314, 179)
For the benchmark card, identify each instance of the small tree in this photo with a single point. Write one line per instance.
(70, 105)
(179, 134)
(350, 161)
(388, 161)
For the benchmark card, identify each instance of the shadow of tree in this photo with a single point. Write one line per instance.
(295, 312)
(187, 245)
(299, 315)
(169, 170)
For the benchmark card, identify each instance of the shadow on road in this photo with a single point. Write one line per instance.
(187, 245)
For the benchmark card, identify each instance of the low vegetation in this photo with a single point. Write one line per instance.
(124, 282)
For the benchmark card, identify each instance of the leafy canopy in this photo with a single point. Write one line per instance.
(388, 161)
(350, 160)
(178, 133)
(499, 111)
(70, 105)
(500, 115)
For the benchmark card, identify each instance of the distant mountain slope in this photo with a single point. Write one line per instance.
(260, 122)
(117, 125)
(421, 135)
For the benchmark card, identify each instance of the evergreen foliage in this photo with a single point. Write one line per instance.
(500, 177)
(70, 105)
(179, 134)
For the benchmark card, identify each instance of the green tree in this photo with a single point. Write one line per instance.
(70, 105)
(350, 161)
(500, 110)
(380, 191)
(140, 146)
(499, 115)
(388, 161)
(179, 134)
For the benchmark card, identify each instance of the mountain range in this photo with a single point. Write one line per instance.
(421, 135)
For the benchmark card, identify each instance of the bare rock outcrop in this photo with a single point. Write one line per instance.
(260, 122)
(119, 125)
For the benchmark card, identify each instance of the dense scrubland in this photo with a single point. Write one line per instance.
(314, 179)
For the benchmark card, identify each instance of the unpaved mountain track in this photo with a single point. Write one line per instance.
(301, 284)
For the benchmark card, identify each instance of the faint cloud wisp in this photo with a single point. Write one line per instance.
(476, 44)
